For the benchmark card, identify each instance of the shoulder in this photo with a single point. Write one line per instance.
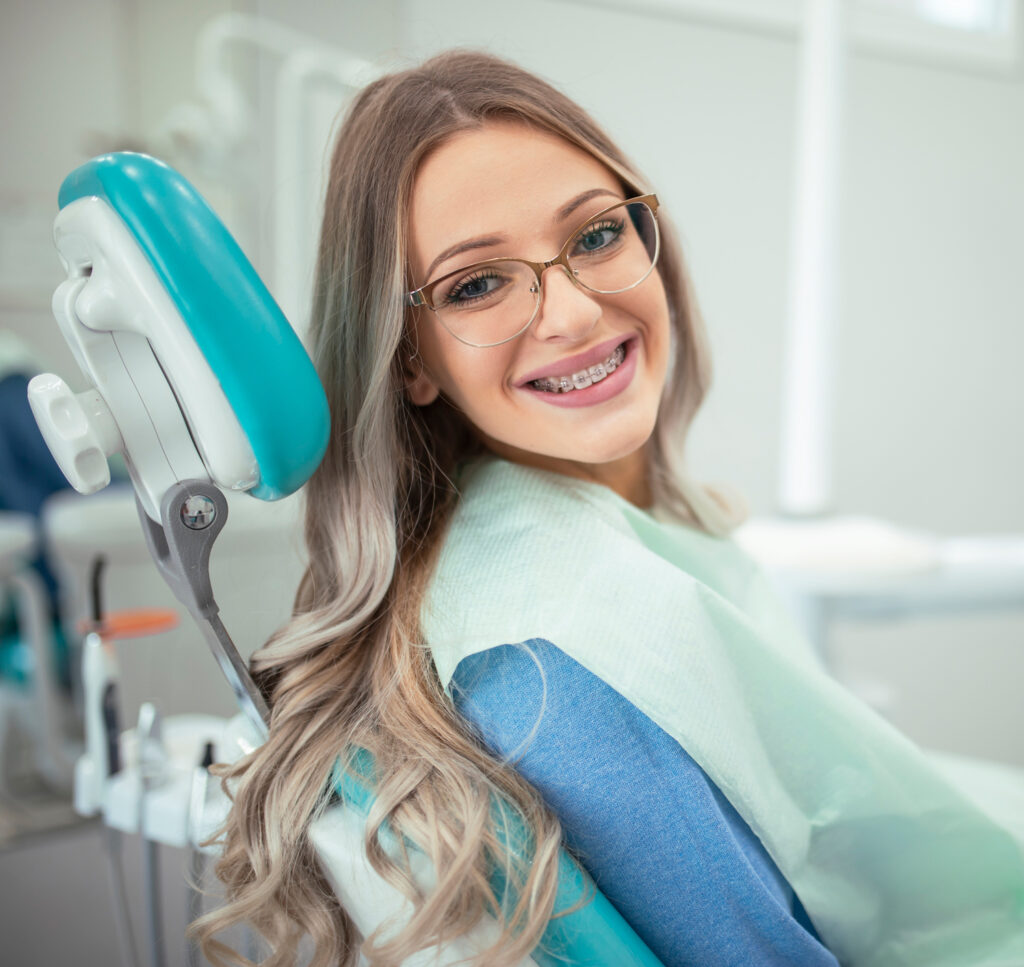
(532, 701)
(526, 685)
(662, 842)
(519, 542)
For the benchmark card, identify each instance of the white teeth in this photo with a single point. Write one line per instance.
(585, 377)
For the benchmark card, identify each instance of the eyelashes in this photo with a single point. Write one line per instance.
(475, 286)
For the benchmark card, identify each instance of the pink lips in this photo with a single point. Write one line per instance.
(573, 364)
(608, 387)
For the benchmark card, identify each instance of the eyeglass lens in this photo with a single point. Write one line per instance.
(491, 302)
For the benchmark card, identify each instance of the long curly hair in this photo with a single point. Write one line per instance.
(350, 669)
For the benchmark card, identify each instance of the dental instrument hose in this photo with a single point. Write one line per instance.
(152, 762)
(151, 891)
(107, 698)
(197, 859)
(111, 719)
(113, 842)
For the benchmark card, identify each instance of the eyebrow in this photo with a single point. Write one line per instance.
(488, 241)
(582, 199)
(484, 242)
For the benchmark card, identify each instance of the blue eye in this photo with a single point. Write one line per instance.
(475, 287)
(597, 237)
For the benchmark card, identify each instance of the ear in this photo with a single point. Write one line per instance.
(419, 385)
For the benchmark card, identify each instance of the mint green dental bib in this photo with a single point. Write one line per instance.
(896, 864)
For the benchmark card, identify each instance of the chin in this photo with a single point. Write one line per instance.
(609, 446)
(606, 451)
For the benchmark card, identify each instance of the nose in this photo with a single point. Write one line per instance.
(567, 312)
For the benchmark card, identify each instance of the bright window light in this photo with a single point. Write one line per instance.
(976, 16)
(976, 35)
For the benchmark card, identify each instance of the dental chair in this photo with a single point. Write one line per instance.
(31, 697)
(199, 381)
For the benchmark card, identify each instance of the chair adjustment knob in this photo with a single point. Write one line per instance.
(79, 430)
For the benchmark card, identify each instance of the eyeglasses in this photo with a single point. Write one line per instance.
(491, 302)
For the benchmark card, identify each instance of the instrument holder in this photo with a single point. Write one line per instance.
(193, 513)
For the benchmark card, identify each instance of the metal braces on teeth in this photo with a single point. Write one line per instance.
(585, 377)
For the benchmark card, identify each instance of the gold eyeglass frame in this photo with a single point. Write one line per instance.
(418, 297)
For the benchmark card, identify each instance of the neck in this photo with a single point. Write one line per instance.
(627, 476)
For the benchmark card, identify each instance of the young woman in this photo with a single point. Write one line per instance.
(515, 594)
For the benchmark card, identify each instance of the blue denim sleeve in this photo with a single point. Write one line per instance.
(662, 843)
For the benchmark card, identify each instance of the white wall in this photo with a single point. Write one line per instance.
(929, 392)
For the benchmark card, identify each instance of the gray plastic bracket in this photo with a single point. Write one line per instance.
(182, 553)
(193, 514)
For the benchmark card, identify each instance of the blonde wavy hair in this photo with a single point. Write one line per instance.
(350, 670)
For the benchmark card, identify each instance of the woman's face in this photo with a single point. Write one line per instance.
(520, 193)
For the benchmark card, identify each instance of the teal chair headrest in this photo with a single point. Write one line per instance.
(254, 353)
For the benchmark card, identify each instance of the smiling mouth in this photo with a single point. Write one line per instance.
(583, 378)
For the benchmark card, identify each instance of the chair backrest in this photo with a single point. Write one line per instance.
(585, 931)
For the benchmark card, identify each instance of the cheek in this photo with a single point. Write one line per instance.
(468, 376)
(663, 315)
(479, 381)
(429, 343)
(651, 310)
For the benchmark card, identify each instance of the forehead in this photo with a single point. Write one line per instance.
(503, 178)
